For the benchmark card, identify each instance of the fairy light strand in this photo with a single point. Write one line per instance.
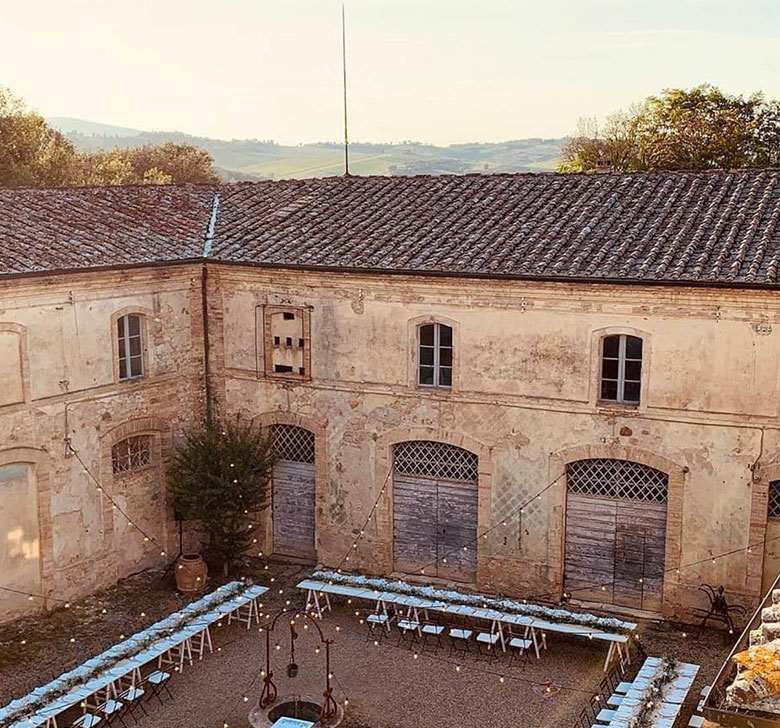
(114, 504)
(362, 531)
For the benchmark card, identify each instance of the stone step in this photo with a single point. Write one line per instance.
(757, 637)
(771, 631)
(771, 614)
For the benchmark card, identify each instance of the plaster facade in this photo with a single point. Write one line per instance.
(60, 537)
(524, 399)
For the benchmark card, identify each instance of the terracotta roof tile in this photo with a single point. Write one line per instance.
(707, 227)
(88, 227)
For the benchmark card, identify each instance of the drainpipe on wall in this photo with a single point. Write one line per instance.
(204, 304)
(204, 277)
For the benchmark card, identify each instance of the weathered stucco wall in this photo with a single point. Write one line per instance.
(65, 384)
(525, 397)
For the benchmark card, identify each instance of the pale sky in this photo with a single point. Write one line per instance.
(439, 71)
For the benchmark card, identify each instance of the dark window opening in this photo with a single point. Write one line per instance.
(621, 369)
(129, 331)
(435, 356)
(277, 341)
(289, 341)
(282, 368)
(288, 315)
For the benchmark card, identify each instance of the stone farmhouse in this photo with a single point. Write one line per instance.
(564, 384)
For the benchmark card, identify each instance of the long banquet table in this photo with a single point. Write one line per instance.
(152, 643)
(318, 592)
(671, 702)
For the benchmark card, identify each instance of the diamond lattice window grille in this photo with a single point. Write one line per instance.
(292, 443)
(435, 460)
(774, 499)
(620, 479)
(131, 454)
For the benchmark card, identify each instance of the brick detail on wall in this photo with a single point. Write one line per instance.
(216, 337)
(757, 531)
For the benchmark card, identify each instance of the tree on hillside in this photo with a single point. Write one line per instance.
(31, 152)
(168, 163)
(701, 128)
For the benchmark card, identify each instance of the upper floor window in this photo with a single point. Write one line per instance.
(133, 453)
(773, 511)
(131, 350)
(621, 369)
(435, 361)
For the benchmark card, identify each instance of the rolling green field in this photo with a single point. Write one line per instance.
(251, 159)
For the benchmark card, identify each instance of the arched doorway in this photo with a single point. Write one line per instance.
(615, 532)
(435, 498)
(20, 562)
(292, 492)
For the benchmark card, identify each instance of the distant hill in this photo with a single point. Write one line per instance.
(252, 159)
(69, 125)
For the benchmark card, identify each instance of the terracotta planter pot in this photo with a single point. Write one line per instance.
(191, 571)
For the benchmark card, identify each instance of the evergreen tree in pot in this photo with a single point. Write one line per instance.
(219, 479)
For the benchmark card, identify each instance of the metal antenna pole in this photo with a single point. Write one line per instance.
(344, 70)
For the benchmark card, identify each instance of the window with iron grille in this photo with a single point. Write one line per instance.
(435, 355)
(133, 453)
(773, 510)
(435, 460)
(621, 369)
(292, 443)
(621, 479)
(129, 330)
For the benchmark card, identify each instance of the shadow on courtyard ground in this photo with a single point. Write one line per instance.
(385, 685)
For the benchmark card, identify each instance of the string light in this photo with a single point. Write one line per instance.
(101, 490)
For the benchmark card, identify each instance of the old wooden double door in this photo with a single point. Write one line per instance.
(615, 533)
(435, 510)
(292, 492)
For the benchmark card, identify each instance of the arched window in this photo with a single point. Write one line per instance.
(435, 355)
(132, 453)
(130, 339)
(773, 509)
(621, 369)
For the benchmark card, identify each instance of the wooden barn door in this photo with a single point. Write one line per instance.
(292, 493)
(615, 533)
(435, 510)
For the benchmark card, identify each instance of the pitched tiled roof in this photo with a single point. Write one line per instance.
(707, 227)
(88, 227)
(704, 227)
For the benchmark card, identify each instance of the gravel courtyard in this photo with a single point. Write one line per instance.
(385, 685)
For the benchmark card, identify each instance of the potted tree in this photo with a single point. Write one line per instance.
(219, 479)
